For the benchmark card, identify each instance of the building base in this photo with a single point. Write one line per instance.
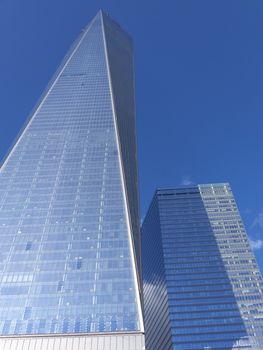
(113, 341)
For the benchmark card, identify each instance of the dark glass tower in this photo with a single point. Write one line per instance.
(202, 285)
(69, 217)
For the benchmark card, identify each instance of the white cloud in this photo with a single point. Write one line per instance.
(258, 221)
(256, 244)
(186, 181)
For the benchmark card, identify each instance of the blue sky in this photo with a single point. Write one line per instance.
(199, 86)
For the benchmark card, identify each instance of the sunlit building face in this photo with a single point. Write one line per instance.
(69, 219)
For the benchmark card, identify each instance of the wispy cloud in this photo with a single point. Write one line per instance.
(186, 181)
(256, 244)
(258, 221)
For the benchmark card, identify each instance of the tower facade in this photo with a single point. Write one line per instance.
(202, 285)
(69, 216)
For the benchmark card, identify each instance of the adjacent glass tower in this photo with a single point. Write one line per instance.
(202, 285)
(69, 217)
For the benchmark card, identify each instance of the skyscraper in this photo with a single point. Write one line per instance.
(69, 217)
(202, 285)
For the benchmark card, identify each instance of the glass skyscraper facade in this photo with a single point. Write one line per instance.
(69, 217)
(202, 285)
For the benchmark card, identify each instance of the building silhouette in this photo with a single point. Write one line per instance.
(69, 217)
(202, 285)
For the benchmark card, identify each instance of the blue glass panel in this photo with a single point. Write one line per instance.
(65, 247)
(199, 269)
